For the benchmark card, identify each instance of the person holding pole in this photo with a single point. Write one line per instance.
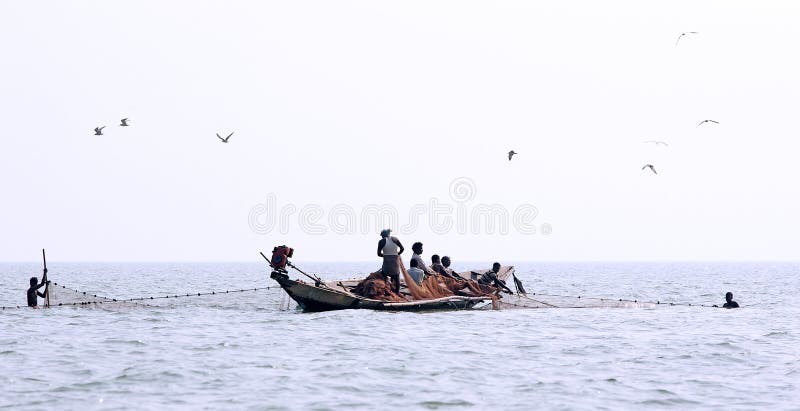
(33, 291)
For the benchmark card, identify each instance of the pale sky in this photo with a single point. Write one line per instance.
(361, 103)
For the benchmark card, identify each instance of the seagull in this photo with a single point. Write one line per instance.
(650, 166)
(98, 131)
(663, 143)
(511, 154)
(124, 122)
(685, 33)
(224, 140)
(707, 121)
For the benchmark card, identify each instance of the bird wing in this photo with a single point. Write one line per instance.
(101, 128)
(645, 166)
(663, 142)
(124, 120)
(683, 34)
(654, 170)
(714, 121)
(220, 137)
(229, 136)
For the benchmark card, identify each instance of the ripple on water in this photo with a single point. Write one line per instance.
(125, 342)
(435, 405)
(553, 359)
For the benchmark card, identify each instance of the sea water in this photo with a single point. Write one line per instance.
(242, 351)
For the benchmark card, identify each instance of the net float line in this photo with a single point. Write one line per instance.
(623, 300)
(136, 300)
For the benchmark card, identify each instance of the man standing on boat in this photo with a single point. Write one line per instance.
(390, 248)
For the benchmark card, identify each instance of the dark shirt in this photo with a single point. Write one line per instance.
(438, 268)
(32, 293)
(488, 278)
(732, 304)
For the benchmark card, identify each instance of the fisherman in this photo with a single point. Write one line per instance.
(416, 273)
(417, 255)
(33, 292)
(437, 267)
(729, 303)
(390, 248)
(446, 264)
(490, 278)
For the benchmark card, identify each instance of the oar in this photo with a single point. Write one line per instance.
(44, 279)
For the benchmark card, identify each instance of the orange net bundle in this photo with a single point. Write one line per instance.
(376, 287)
(430, 287)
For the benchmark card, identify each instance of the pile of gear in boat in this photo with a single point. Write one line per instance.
(422, 281)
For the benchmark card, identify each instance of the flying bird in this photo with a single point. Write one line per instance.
(658, 143)
(224, 140)
(98, 131)
(685, 33)
(707, 121)
(650, 166)
(124, 122)
(511, 154)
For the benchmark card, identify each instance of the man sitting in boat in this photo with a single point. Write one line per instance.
(446, 263)
(416, 273)
(458, 285)
(490, 278)
(390, 248)
(437, 267)
(417, 255)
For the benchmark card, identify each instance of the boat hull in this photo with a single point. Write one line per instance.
(322, 297)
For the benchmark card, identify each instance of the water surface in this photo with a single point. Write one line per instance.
(242, 351)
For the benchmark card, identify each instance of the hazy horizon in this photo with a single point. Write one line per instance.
(344, 109)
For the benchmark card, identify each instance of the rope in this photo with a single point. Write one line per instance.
(137, 300)
(657, 302)
(108, 300)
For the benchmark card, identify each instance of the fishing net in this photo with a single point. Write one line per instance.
(63, 296)
(429, 289)
(535, 300)
(377, 288)
(374, 286)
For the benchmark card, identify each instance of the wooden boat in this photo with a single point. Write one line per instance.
(336, 295)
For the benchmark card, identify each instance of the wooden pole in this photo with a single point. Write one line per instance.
(44, 278)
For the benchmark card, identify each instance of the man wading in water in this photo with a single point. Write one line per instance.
(729, 303)
(390, 249)
(33, 291)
